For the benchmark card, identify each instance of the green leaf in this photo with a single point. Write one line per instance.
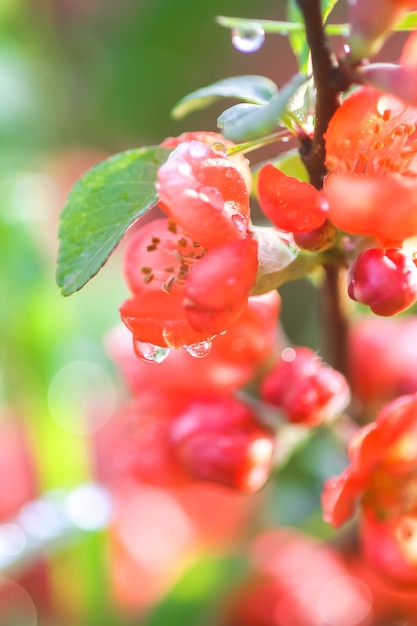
(269, 26)
(298, 40)
(291, 164)
(99, 209)
(327, 8)
(251, 88)
(252, 121)
(278, 27)
(408, 22)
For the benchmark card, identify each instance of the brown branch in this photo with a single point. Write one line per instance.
(325, 74)
(327, 81)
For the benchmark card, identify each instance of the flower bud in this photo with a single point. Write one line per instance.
(385, 280)
(305, 388)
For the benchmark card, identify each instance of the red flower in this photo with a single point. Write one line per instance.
(372, 159)
(182, 294)
(383, 463)
(389, 545)
(219, 440)
(191, 275)
(177, 441)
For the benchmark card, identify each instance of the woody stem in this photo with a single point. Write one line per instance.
(327, 85)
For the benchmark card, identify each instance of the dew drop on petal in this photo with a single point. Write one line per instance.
(197, 150)
(184, 169)
(149, 353)
(219, 148)
(199, 350)
(212, 196)
(240, 222)
(248, 39)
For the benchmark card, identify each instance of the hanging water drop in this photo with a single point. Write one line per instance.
(199, 350)
(219, 148)
(149, 353)
(248, 39)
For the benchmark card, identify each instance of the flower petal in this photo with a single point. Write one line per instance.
(292, 205)
(218, 286)
(159, 318)
(367, 205)
(205, 194)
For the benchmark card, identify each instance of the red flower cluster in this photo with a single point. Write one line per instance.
(191, 273)
(184, 423)
(371, 190)
(381, 476)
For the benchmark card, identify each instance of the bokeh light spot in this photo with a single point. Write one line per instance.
(155, 530)
(82, 397)
(16, 605)
(345, 601)
(12, 540)
(89, 507)
(288, 354)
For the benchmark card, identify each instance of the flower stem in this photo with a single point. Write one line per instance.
(327, 84)
(334, 321)
(327, 90)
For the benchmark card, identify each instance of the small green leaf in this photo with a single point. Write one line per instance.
(279, 28)
(252, 121)
(234, 114)
(298, 40)
(327, 7)
(268, 26)
(100, 207)
(251, 88)
(289, 162)
(408, 22)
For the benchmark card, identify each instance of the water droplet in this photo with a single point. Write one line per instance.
(149, 353)
(219, 148)
(240, 222)
(288, 354)
(199, 350)
(248, 39)
(212, 196)
(197, 150)
(285, 139)
(185, 169)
